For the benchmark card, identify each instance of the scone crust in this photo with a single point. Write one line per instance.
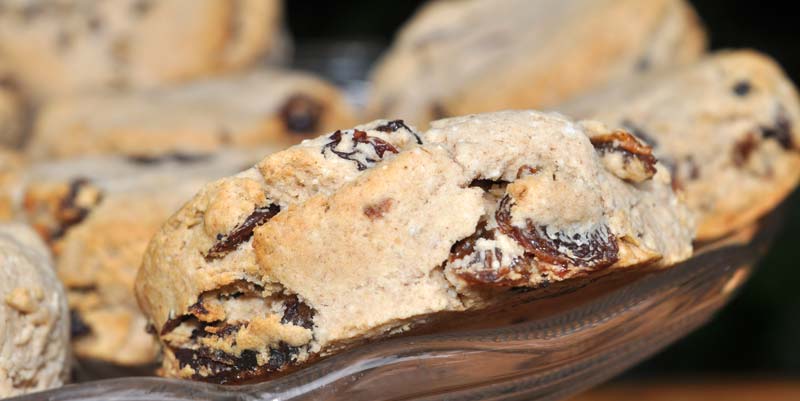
(271, 107)
(727, 125)
(34, 336)
(356, 234)
(525, 54)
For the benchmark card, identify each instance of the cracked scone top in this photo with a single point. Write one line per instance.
(356, 234)
(727, 126)
(34, 334)
(470, 56)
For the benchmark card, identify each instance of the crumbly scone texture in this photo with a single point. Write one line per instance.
(34, 336)
(728, 126)
(11, 110)
(460, 57)
(98, 215)
(66, 46)
(363, 232)
(264, 108)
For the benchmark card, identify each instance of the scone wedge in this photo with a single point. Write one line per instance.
(363, 232)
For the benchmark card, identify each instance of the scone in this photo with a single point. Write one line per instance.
(65, 46)
(727, 126)
(468, 56)
(98, 214)
(34, 334)
(11, 111)
(269, 107)
(362, 232)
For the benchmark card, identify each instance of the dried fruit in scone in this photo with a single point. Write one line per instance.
(34, 329)
(97, 214)
(359, 233)
(728, 127)
(262, 108)
(69, 46)
(471, 56)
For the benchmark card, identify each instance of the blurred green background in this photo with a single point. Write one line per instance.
(759, 332)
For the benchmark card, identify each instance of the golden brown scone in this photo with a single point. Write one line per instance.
(469, 56)
(263, 108)
(727, 126)
(362, 232)
(34, 334)
(65, 46)
(98, 214)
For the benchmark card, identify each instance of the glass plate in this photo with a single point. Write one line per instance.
(541, 345)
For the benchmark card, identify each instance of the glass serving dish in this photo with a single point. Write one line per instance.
(541, 345)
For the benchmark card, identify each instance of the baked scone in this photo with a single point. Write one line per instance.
(34, 334)
(11, 111)
(469, 56)
(98, 214)
(728, 126)
(362, 232)
(269, 107)
(57, 47)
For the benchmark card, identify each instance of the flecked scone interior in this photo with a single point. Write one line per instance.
(460, 57)
(98, 215)
(268, 107)
(65, 46)
(728, 127)
(356, 234)
(34, 334)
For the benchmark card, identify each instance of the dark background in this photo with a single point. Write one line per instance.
(759, 332)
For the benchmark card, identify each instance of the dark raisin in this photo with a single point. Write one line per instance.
(362, 160)
(743, 149)
(171, 324)
(394, 126)
(487, 185)
(438, 112)
(198, 309)
(631, 149)
(248, 360)
(242, 232)
(378, 210)
(150, 329)
(640, 133)
(482, 268)
(599, 250)
(693, 166)
(69, 214)
(297, 313)
(742, 88)
(282, 356)
(781, 132)
(301, 114)
(77, 326)
(140, 8)
(187, 158)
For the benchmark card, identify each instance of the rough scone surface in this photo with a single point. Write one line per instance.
(264, 108)
(34, 335)
(97, 214)
(360, 233)
(66, 46)
(460, 57)
(728, 127)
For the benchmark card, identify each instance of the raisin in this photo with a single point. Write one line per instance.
(198, 309)
(742, 88)
(297, 313)
(242, 232)
(301, 114)
(379, 146)
(781, 132)
(487, 185)
(632, 151)
(68, 213)
(171, 324)
(518, 273)
(640, 133)
(140, 8)
(225, 368)
(743, 149)
(150, 329)
(378, 210)
(77, 326)
(597, 251)
(395, 125)
(526, 170)
(439, 112)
